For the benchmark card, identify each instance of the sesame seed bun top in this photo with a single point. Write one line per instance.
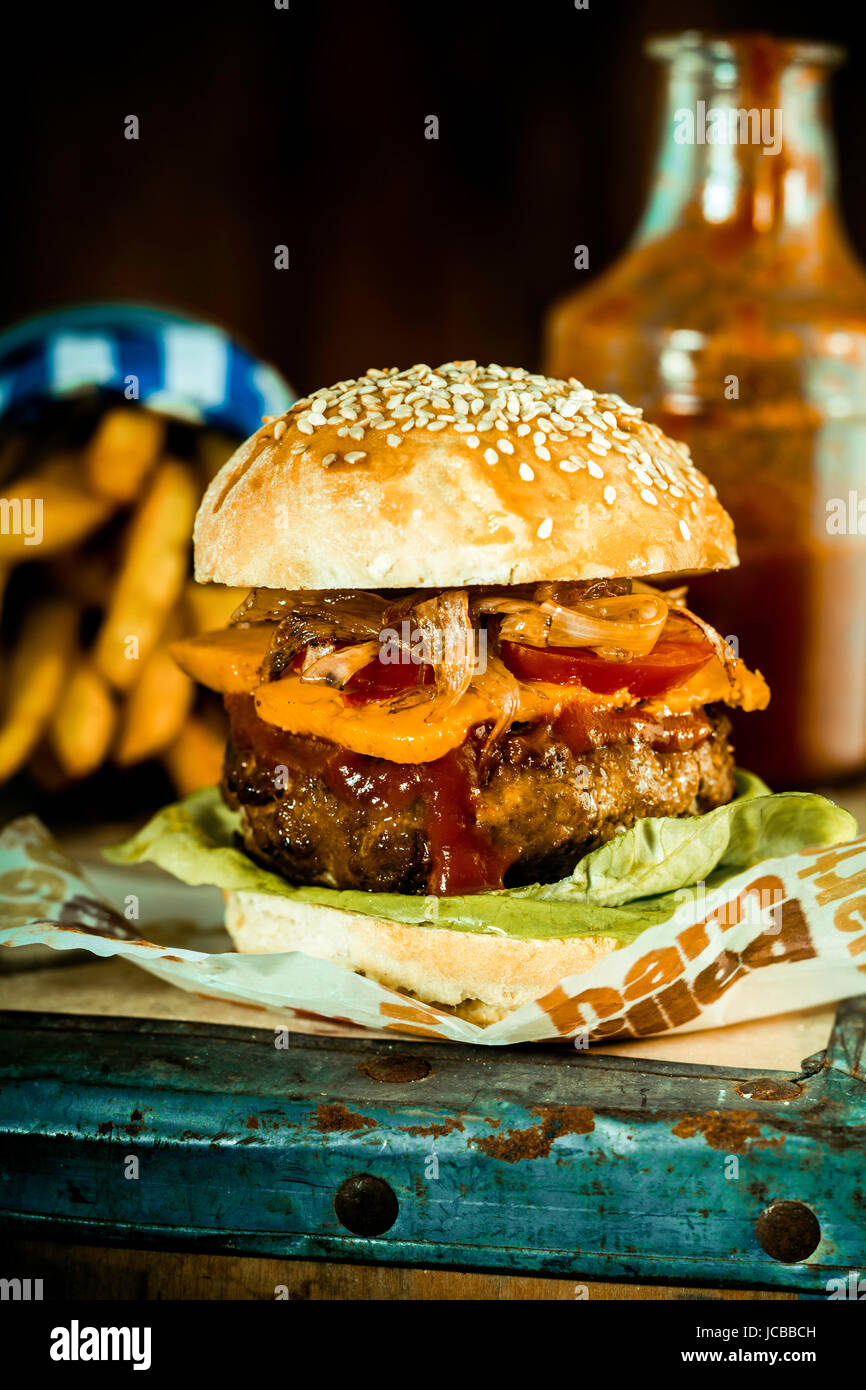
(439, 478)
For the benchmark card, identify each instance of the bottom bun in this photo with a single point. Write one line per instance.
(478, 977)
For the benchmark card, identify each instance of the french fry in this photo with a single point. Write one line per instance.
(41, 514)
(83, 724)
(152, 576)
(126, 444)
(195, 758)
(155, 709)
(38, 669)
(211, 605)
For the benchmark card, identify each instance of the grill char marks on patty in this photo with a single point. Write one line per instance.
(549, 793)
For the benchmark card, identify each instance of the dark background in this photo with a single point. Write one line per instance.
(306, 127)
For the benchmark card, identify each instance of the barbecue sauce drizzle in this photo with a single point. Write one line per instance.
(462, 859)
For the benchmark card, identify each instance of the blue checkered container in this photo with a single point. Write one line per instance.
(179, 367)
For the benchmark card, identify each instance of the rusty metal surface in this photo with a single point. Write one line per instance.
(539, 1160)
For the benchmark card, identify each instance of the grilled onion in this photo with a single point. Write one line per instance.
(336, 666)
(497, 684)
(341, 631)
(355, 611)
(449, 643)
(675, 598)
(315, 620)
(628, 624)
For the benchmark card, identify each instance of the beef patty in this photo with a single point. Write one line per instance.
(320, 814)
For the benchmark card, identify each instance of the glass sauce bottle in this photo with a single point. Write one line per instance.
(737, 319)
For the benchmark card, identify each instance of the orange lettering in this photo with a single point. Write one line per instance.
(652, 970)
(850, 916)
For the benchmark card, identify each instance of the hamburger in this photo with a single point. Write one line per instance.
(464, 663)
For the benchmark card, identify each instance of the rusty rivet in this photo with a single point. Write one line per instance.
(788, 1231)
(366, 1205)
(767, 1088)
(396, 1068)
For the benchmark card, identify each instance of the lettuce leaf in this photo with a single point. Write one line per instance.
(632, 882)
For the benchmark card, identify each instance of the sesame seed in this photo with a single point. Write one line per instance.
(355, 456)
(684, 531)
(504, 404)
(329, 458)
(545, 528)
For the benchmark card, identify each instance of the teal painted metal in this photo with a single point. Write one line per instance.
(536, 1160)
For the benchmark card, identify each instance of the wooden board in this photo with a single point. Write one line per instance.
(92, 1272)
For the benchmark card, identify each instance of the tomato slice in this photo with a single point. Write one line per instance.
(382, 679)
(681, 650)
(379, 680)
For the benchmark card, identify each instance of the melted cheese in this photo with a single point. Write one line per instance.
(230, 661)
(409, 735)
(711, 685)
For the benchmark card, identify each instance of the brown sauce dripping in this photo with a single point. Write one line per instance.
(462, 859)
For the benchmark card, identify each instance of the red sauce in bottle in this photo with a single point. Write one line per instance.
(737, 319)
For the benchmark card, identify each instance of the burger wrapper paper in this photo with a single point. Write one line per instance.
(788, 932)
